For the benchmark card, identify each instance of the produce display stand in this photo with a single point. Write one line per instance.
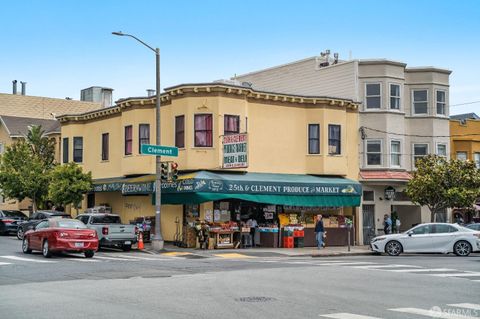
(222, 238)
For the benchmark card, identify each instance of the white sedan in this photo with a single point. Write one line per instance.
(429, 238)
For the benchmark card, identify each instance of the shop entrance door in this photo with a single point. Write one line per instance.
(368, 212)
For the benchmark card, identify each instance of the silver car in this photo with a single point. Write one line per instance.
(429, 238)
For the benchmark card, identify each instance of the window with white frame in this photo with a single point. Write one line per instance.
(441, 102)
(476, 158)
(419, 151)
(442, 150)
(395, 96)
(374, 152)
(373, 96)
(420, 102)
(395, 153)
(462, 156)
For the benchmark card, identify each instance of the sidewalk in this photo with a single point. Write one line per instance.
(170, 249)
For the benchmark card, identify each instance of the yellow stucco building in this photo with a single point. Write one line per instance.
(465, 138)
(297, 154)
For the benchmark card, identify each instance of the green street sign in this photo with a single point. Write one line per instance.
(159, 150)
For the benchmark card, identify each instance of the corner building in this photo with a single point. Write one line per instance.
(301, 159)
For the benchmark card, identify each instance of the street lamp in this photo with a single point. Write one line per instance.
(157, 239)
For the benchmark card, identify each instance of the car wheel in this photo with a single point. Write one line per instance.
(89, 253)
(20, 233)
(393, 248)
(46, 250)
(26, 246)
(127, 247)
(462, 248)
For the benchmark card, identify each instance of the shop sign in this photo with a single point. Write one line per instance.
(137, 188)
(235, 151)
(107, 187)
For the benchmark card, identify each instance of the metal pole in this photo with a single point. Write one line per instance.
(158, 238)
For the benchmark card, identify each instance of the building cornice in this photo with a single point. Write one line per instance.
(213, 89)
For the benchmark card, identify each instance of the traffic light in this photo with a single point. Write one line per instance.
(173, 171)
(164, 171)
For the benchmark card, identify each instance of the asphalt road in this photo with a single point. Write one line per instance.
(116, 284)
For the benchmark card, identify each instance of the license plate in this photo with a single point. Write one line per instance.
(78, 244)
(128, 242)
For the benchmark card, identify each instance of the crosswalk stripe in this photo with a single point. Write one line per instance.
(386, 266)
(83, 260)
(346, 263)
(26, 259)
(460, 274)
(423, 270)
(233, 256)
(114, 258)
(347, 316)
(1, 264)
(433, 313)
(144, 258)
(465, 305)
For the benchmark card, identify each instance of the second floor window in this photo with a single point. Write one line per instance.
(313, 139)
(476, 158)
(65, 150)
(231, 124)
(143, 136)
(374, 152)
(334, 139)
(180, 131)
(462, 156)
(395, 153)
(442, 150)
(420, 102)
(203, 130)
(78, 149)
(394, 96)
(441, 102)
(419, 151)
(128, 140)
(373, 96)
(105, 141)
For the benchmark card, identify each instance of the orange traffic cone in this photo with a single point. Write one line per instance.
(140, 240)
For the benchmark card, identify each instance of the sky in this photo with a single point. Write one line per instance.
(61, 47)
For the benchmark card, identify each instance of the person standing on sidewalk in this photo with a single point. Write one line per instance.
(398, 223)
(319, 230)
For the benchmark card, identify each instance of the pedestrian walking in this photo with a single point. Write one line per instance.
(387, 224)
(319, 231)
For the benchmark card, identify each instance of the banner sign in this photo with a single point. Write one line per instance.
(235, 151)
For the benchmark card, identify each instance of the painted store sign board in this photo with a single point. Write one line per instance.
(235, 151)
(159, 150)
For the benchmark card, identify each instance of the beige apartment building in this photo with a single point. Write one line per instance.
(404, 115)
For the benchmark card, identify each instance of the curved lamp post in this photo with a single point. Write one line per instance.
(157, 239)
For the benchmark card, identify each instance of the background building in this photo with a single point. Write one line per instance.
(403, 116)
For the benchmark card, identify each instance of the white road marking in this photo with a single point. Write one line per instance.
(117, 259)
(433, 313)
(386, 266)
(1, 264)
(26, 259)
(460, 274)
(465, 305)
(423, 270)
(83, 260)
(347, 316)
(144, 258)
(347, 263)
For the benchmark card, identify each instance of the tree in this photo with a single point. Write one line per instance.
(439, 184)
(68, 185)
(23, 174)
(42, 146)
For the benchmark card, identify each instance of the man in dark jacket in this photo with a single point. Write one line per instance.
(319, 230)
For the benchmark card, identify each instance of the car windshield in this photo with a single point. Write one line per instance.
(13, 213)
(70, 223)
(106, 219)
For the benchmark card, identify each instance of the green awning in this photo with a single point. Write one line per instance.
(278, 189)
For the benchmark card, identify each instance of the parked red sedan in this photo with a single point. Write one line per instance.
(59, 234)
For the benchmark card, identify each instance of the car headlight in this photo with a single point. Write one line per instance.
(377, 239)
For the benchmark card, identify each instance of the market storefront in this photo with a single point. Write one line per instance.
(283, 206)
